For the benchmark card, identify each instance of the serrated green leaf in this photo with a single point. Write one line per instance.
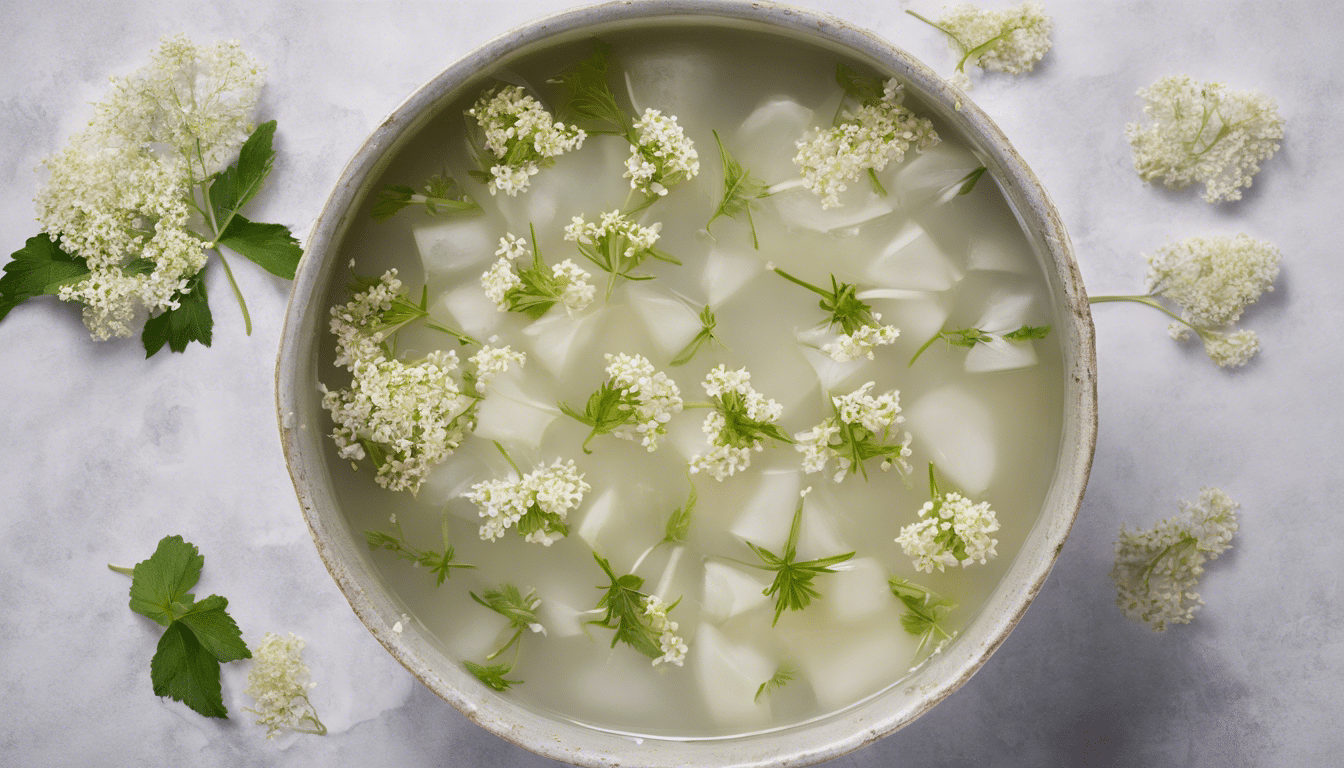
(139, 267)
(679, 522)
(39, 268)
(792, 586)
(864, 89)
(270, 246)
(625, 612)
(183, 670)
(783, 676)
(587, 97)
(165, 580)
(510, 602)
(177, 328)
(739, 191)
(1028, 332)
(493, 675)
(215, 629)
(240, 182)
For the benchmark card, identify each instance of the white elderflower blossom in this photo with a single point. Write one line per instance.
(858, 430)
(534, 288)
(537, 503)
(121, 191)
(673, 647)
(491, 361)
(952, 531)
(279, 682)
(654, 398)
(870, 136)
(861, 343)
(1156, 571)
(613, 228)
(1231, 350)
(1213, 278)
(1202, 132)
(1010, 41)
(661, 155)
(522, 135)
(741, 418)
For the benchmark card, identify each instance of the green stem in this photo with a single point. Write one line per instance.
(927, 344)
(933, 483)
(237, 294)
(808, 286)
(1148, 570)
(1151, 302)
(508, 458)
(940, 28)
(119, 569)
(981, 47)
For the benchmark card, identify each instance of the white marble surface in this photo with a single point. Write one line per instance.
(105, 452)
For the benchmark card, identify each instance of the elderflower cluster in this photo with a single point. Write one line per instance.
(860, 419)
(523, 135)
(871, 136)
(674, 648)
(279, 682)
(739, 402)
(1014, 39)
(656, 397)
(661, 155)
(567, 282)
(1156, 571)
(490, 362)
(860, 343)
(550, 492)
(1214, 278)
(1202, 132)
(952, 531)
(122, 190)
(613, 227)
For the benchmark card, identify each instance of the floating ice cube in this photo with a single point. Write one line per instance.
(1007, 311)
(799, 208)
(551, 201)
(729, 675)
(999, 354)
(817, 537)
(455, 476)
(468, 309)
(919, 314)
(831, 373)
(556, 335)
(611, 684)
(671, 571)
(956, 429)
(515, 421)
(766, 516)
(932, 176)
(730, 590)
(561, 619)
(686, 436)
(858, 593)
(479, 637)
(598, 517)
(670, 321)
(913, 261)
(455, 244)
(845, 664)
(767, 140)
(726, 271)
(675, 78)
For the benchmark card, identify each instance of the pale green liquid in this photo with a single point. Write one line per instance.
(847, 645)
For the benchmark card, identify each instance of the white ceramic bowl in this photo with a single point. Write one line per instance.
(303, 423)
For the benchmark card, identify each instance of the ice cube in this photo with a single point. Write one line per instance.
(911, 260)
(726, 271)
(613, 683)
(999, 354)
(934, 175)
(455, 476)
(844, 664)
(767, 515)
(858, 593)
(799, 208)
(833, 374)
(675, 78)
(1007, 311)
(467, 309)
(686, 436)
(598, 517)
(516, 421)
(455, 244)
(817, 537)
(561, 619)
(919, 314)
(670, 321)
(767, 140)
(550, 201)
(730, 590)
(556, 335)
(729, 675)
(664, 590)
(957, 430)
(479, 637)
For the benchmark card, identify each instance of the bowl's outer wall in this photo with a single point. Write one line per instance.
(301, 419)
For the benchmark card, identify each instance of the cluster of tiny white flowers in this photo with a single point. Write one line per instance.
(578, 291)
(572, 286)
(279, 682)
(656, 397)
(724, 459)
(878, 415)
(491, 361)
(1021, 35)
(674, 648)
(1213, 278)
(1231, 350)
(932, 540)
(609, 228)
(1202, 132)
(871, 136)
(1156, 571)
(554, 490)
(519, 129)
(861, 343)
(661, 155)
(121, 189)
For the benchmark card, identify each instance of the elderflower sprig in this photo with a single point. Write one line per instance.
(952, 531)
(520, 138)
(858, 430)
(969, 337)
(639, 620)
(706, 335)
(440, 195)
(636, 402)
(1212, 280)
(617, 245)
(924, 613)
(1156, 571)
(1011, 40)
(740, 190)
(862, 331)
(741, 420)
(534, 289)
(784, 674)
(138, 199)
(521, 611)
(279, 682)
(441, 564)
(536, 504)
(792, 586)
(878, 131)
(1202, 132)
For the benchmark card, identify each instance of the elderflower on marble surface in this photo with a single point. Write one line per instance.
(1010, 41)
(522, 135)
(952, 531)
(740, 419)
(870, 136)
(534, 289)
(1213, 278)
(860, 343)
(279, 682)
(1203, 132)
(858, 430)
(121, 190)
(1156, 571)
(538, 503)
(674, 648)
(661, 155)
(654, 398)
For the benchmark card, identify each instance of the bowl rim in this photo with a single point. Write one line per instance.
(801, 744)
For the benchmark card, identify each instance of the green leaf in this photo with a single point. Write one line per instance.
(441, 564)
(493, 675)
(270, 246)
(240, 182)
(792, 586)
(739, 190)
(967, 182)
(1028, 332)
(864, 89)
(215, 629)
(177, 328)
(165, 580)
(625, 612)
(183, 670)
(39, 268)
(139, 267)
(587, 95)
(391, 199)
(924, 611)
(679, 522)
(510, 602)
(441, 194)
(783, 676)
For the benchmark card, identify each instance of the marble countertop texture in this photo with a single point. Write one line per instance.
(103, 452)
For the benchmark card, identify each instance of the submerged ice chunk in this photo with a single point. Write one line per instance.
(598, 517)
(469, 309)
(999, 354)
(561, 619)
(1007, 311)
(919, 314)
(766, 516)
(767, 140)
(800, 209)
(730, 590)
(817, 537)
(455, 244)
(556, 335)
(729, 675)
(845, 664)
(956, 429)
(726, 272)
(831, 373)
(677, 79)
(911, 260)
(934, 175)
(671, 323)
(858, 593)
(587, 181)
(511, 417)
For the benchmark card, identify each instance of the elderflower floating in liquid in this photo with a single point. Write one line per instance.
(952, 531)
(522, 135)
(661, 155)
(735, 428)
(857, 431)
(537, 503)
(532, 289)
